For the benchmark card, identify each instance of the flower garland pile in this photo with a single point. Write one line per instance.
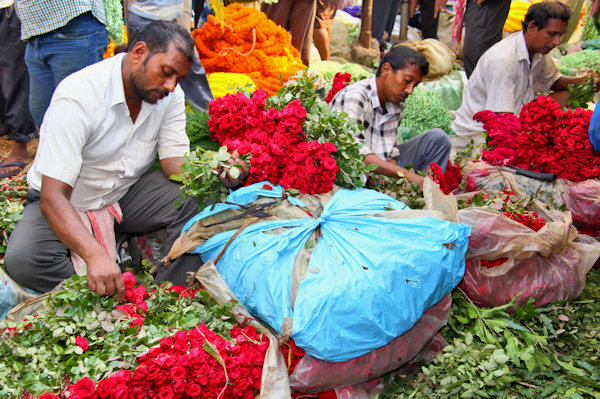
(544, 138)
(248, 43)
(276, 141)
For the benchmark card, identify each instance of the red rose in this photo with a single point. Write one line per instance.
(120, 392)
(49, 396)
(129, 280)
(178, 373)
(194, 390)
(105, 388)
(166, 393)
(81, 342)
(84, 388)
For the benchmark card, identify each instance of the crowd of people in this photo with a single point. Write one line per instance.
(102, 123)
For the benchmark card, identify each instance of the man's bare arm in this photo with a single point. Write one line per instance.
(103, 274)
(391, 169)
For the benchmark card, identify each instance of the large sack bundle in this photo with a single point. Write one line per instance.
(318, 259)
(548, 265)
(11, 294)
(581, 198)
(441, 58)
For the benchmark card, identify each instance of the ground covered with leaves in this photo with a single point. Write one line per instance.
(511, 351)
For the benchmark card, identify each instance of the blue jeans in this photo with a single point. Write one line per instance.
(52, 56)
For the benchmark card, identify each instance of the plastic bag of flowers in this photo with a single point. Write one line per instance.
(342, 273)
(581, 198)
(522, 248)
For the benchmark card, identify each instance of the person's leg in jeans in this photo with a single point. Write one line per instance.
(149, 205)
(35, 257)
(14, 89)
(428, 147)
(54, 55)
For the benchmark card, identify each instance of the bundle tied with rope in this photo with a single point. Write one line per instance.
(298, 264)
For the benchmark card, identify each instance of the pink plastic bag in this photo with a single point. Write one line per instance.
(581, 198)
(315, 375)
(546, 279)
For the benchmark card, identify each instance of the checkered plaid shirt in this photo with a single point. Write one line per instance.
(361, 102)
(43, 16)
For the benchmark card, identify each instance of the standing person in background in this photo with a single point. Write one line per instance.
(141, 12)
(430, 11)
(323, 22)
(297, 16)
(382, 20)
(62, 36)
(14, 91)
(484, 22)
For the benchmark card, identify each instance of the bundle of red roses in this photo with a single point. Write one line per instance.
(545, 138)
(448, 181)
(280, 153)
(340, 81)
(189, 364)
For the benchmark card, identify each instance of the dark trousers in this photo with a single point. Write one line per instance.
(483, 29)
(36, 259)
(383, 18)
(14, 79)
(297, 16)
(429, 25)
(431, 146)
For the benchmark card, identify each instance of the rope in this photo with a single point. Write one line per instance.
(237, 52)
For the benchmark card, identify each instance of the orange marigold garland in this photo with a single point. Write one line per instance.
(250, 44)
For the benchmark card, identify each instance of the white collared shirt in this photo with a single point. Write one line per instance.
(88, 140)
(361, 102)
(503, 81)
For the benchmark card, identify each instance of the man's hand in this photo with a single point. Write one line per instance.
(104, 277)
(244, 170)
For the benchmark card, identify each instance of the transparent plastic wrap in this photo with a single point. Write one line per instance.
(11, 294)
(546, 279)
(315, 375)
(581, 198)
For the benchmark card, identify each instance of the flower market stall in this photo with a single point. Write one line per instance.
(321, 279)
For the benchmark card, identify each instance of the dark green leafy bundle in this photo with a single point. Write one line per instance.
(196, 128)
(580, 95)
(509, 351)
(43, 355)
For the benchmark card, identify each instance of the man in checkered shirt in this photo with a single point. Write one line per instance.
(377, 103)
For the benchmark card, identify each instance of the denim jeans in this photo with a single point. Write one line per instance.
(52, 56)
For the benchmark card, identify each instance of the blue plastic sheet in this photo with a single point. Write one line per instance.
(369, 279)
(594, 129)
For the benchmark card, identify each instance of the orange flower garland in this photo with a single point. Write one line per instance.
(250, 44)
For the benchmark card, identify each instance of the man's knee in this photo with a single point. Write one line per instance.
(439, 138)
(17, 260)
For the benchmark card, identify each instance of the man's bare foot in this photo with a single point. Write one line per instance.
(16, 160)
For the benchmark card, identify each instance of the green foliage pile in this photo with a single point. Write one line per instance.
(424, 110)
(509, 352)
(326, 70)
(43, 353)
(571, 63)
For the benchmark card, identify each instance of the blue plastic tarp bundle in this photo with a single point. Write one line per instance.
(369, 278)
